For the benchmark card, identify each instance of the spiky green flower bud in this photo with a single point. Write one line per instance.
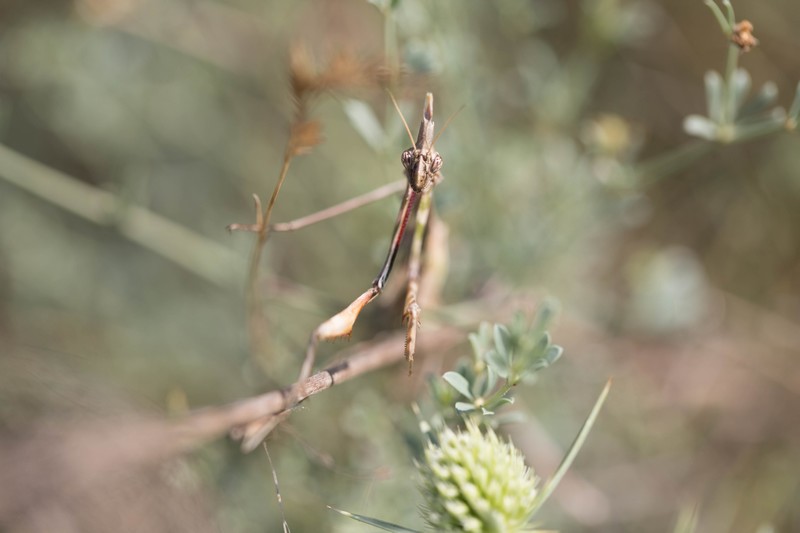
(476, 482)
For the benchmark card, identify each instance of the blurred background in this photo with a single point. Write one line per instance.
(134, 131)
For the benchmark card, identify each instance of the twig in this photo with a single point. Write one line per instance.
(250, 417)
(277, 489)
(344, 207)
(177, 436)
(303, 136)
(256, 322)
(190, 250)
(58, 460)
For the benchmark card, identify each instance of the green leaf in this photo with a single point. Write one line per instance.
(544, 314)
(700, 127)
(714, 95)
(484, 383)
(503, 400)
(458, 382)
(553, 482)
(481, 340)
(687, 520)
(552, 354)
(794, 111)
(491, 380)
(386, 526)
(764, 98)
(365, 123)
(477, 345)
(502, 340)
(497, 363)
(464, 407)
(542, 345)
(741, 87)
(380, 4)
(511, 417)
(763, 127)
(518, 325)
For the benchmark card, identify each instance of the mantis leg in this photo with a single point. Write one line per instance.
(341, 324)
(412, 310)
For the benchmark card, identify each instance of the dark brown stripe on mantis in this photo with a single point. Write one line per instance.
(410, 201)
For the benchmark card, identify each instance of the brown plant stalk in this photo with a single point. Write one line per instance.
(307, 82)
(57, 461)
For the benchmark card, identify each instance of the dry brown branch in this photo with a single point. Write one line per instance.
(307, 82)
(211, 422)
(69, 458)
(64, 466)
(341, 208)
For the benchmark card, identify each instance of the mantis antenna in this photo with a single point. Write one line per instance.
(397, 107)
(447, 123)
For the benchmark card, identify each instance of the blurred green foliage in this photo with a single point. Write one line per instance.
(677, 264)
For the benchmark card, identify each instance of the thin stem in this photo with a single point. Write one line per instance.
(499, 393)
(551, 484)
(255, 312)
(727, 29)
(730, 13)
(754, 131)
(277, 490)
(287, 159)
(344, 207)
(188, 249)
(278, 403)
(667, 164)
(729, 110)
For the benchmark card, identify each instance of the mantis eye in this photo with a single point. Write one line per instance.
(436, 164)
(408, 158)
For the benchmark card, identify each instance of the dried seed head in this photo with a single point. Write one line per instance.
(302, 71)
(304, 136)
(743, 36)
(343, 71)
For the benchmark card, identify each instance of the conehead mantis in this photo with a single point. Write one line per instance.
(422, 165)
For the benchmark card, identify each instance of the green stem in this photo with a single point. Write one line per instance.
(498, 394)
(730, 13)
(255, 313)
(202, 256)
(723, 22)
(672, 162)
(729, 109)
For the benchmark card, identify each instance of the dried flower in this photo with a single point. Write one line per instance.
(743, 36)
(304, 135)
